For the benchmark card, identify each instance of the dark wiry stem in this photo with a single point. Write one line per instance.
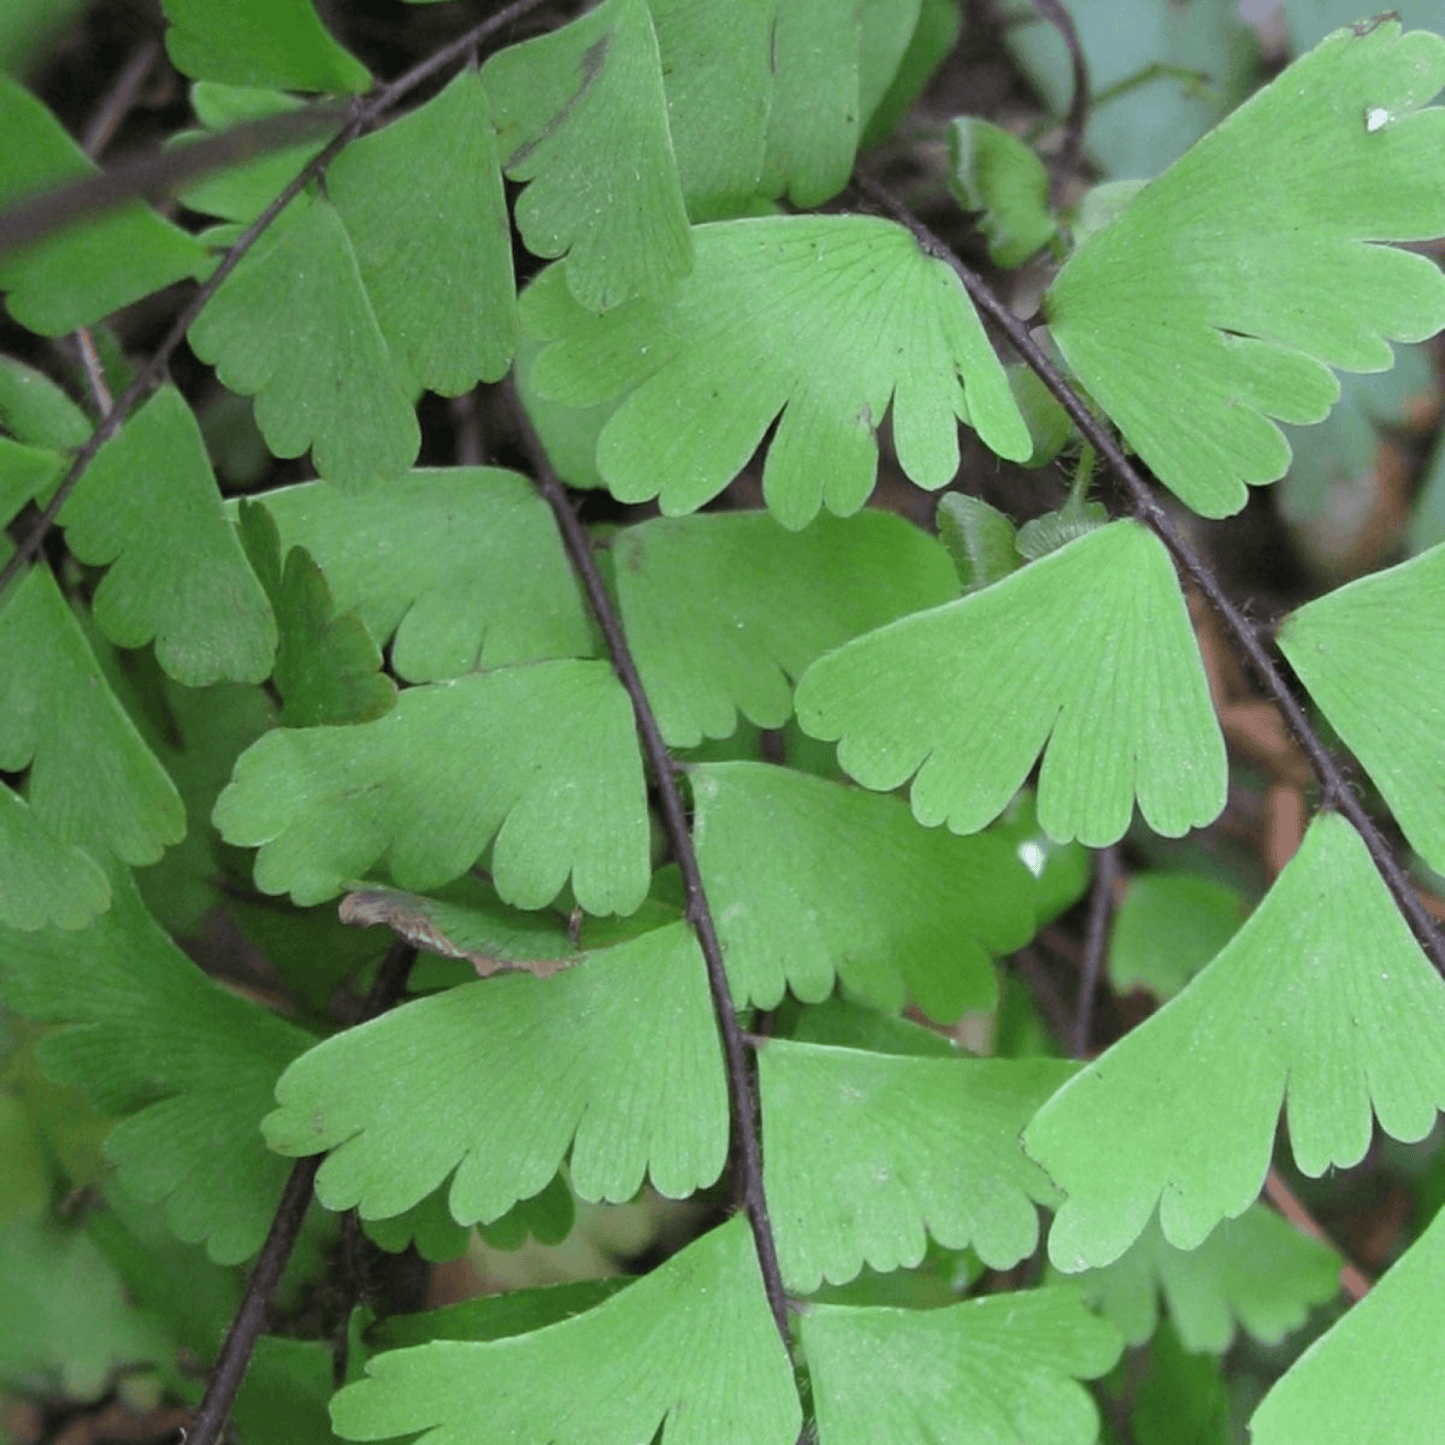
(746, 1148)
(1101, 903)
(240, 1343)
(151, 373)
(1067, 160)
(1148, 510)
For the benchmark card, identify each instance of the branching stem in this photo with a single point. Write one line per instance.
(149, 376)
(1148, 510)
(240, 1343)
(746, 1149)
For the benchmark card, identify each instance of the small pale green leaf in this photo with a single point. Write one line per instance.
(35, 411)
(1002, 1370)
(1224, 293)
(1088, 653)
(191, 1064)
(459, 569)
(812, 881)
(278, 43)
(293, 327)
(979, 538)
(617, 1060)
(84, 272)
(690, 1353)
(1323, 999)
(1353, 649)
(869, 1154)
(92, 780)
(328, 667)
(422, 202)
(148, 507)
(1167, 928)
(42, 880)
(1257, 1271)
(542, 759)
(725, 610)
(820, 323)
(992, 172)
(1375, 1378)
(580, 114)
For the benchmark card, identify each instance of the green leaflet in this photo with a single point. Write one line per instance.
(1258, 1271)
(866, 1151)
(399, 279)
(539, 761)
(616, 1059)
(627, 1370)
(45, 881)
(1168, 926)
(979, 538)
(1002, 1370)
(422, 204)
(279, 43)
(64, 1318)
(581, 115)
(328, 668)
(1379, 639)
(1086, 654)
(812, 881)
(92, 780)
(1337, 1390)
(293, 327)
(993, 172)
(82, 273)
(724, 610)
(1323, 999)
(767, 300)
(191, 1064)
(459, 569)
(148, 507)
(1224, 292)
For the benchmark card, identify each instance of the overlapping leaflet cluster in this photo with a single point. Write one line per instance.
(685, 322)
